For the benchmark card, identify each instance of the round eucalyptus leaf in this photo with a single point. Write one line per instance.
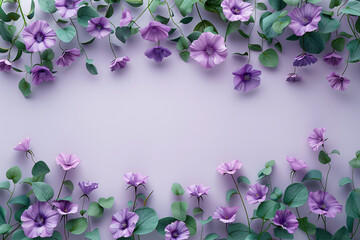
(148, 220)
(296, 195)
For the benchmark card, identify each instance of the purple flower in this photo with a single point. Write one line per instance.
(5, 65)
(119, 63)
(157, 53)
(125, 18)
(41, 74)
(229, 167)
(287, 220)
(296, 164)
(304, 60)
(208, 50)
(123, 223)
(67, 161)
(197, 190)
(237, 10)
(39, 220)
(65, 207)
(135, 179)
(38, 36)
(176, 231)
(88, 187)
(68, 57)
(305, 19)
(338, 82)
(99, 27)
(155, 31)
(246, 78)
(333, 59)
(293, 77)
(324, 203)
(67, 8)
(256, 193)
(23, 146)
(225, 214)
(316, 138)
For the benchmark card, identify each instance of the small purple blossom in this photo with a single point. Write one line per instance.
(38, 36)
(123, 223)
(67, 8)
(305, 19)
(65, 207)
(338, 82)
(197, 190)
(296, 164)
(5, 65)
(88, 187)
(229, 167)
(304, 60)
(316, 138)
(333, 59)
(256, 193)
(293, 77)
(324, 203)
(225, 214)
(125, 18)
(99, 27)
(157, 53)
(119, 63)
(41, 74)
(23, 146)
(287, 220)
(176, 231)
(237, 10)
(155, 31)
(246, 78)
(68, 57)
(135, 179)
(67, 161)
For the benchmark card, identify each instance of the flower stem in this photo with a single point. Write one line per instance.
(304, 227)
(242, 201)
(77, 38)
(135, 198)
(22, 13)
(142, 12)
(357, 227)
(198, 11)
(327, 175)
(62, 184)
(352, 178)
(347, 64)
(172, 19)
(7, 203)
(111, 47)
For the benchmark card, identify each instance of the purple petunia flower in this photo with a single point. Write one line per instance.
(88, 187)
(316, 138)
(229, 167)
(67, 161)
(293, 77)
(197, 190)
(225, 214)
(125, 18)
(99, 27)
(38, 36)
(333, 59)
(208, 50)
(68, 57)
(135, 179)
(287, 220)
(39, 220)
(304, 60)
(256, 193)
(5, 65)
(67, 8)
(41, 74)
(119, 63)
(324, 203)
(66, 207)
(155, 31)
(23, 146)
(157, 53)
(338, 82)
(176, 231)
(246, 78)
(296, 164)
(305, 19)
(123, 223)
(237, 10)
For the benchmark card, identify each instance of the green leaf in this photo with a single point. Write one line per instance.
(354, 50)
(213, 6)
(201, 26)
(335, 3)
(237, 231)
(177, 189)
(261, 6)
(341, 234)
(269, 58)
(110, 11)
(161, 19)
(91, 67)
(5, 185)
(209, 219)
(350, 223)
(186, 20)
(148, 220)
(135, 3)
(306, 226)
(2, 215)
(4, 228)
(292, 2)
(185, 55)
(31, 13)
(4, 16)
(296, 195)
(95, 210)
(40, 169)
(322, 234)
(84, 14)
(212, 236)
(185, 6)
(230, 193)
(338, 44)
(5, 33)
(43, 192)
(123, 33)
(276, 194)
(94, 235)
(3, 50)
(66, 34)
(232, 27)
(197, 211)
(106, 202)
(312, 42)
(191, 225)
(14, 174)
(267, 19)
(312, 175)
(352, 8)
(279, 25)
(328, 24)
(47, 6)
(278, 47)
(277, 4)
(19, 235)
(345, 180)
(69, 185)
(178, 210)
(243, 179)
(21, 200)
(194, 36)
(352, 206)
(324, 157)
(255, 47)
(182, 44)
(48, 55)
(163, 223)
(267, 209)
(281, 233)
(77, 225)
(264, 172)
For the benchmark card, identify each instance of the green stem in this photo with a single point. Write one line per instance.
(172, 19)
(261, 229)
(347, 64)
(348, 19)
(198, 11)
(111, 47)
(135, 198)
(7, 203)
(304, 227)
(142, 12)
(242, 201)
(62, 184)
(77, 38)
(22, 13)
(357, 227)
(327, 176)
(352, 178)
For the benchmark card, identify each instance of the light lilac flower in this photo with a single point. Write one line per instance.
(305, 19)
(338, 82)
(324, 203)
(155, 31)
(293, 77)
(157, 53)
(208, 50)
(119, 63)
(333, 59)
(65, 207)
(176, 231)
(125, 18)
(225, 214)
(67, 161)
(256, 193)
(88, 187)
(41, 74)
(5, 65)
(68, 57)
(296, 164)
(246, 78)
(39, 220)
(67, 8)
(237, 10)
(99, 27)
(23, 146)
(316, 138)
(287, 220)
(304, 60)
(135, 179)
(38, 36)
(123, 223)
(229, 167)
(197, 190)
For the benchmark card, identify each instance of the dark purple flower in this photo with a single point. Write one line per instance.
(237, 10)
(41, 74)
(123, 223)
(38, 36)
(68, 57)
(305, 19)
(155, 31)
(316, 138)
(338, 82)
(5, 65)
(225, 214)
(229, 167)
(65, 207)
(157, 53)
(197, 190)
(256, 193)
(296, 164)
(67, 8)
(176, 231)
(135, 179)
(99, 27)
(304, 60)
(23, 146)
(293, 77)
(88, 187)
(119, 63)
(39, 220)
(287, 220)
(67, 161)
(125, 18)
(333, 59)
(246, 78)
(324, 203)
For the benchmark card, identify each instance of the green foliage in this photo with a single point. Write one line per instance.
(93, 235)
(237, 231)
(66, 34)
(352, 8)
(190, 223)
(95, 210)
(324, 157)
(243, 179)
(43, 191)
(341, 234)
(163, 223)
(14, 174)
(267, 209)
(178, 210)
(312, 42)
(281, 233)
(84, 14)
(47, 6)
(352, 207)
(148, 221)
(345, 180)
(123, 33)
(296, 195)
(269, 58)
(40, 169)
(312, 175)
(77, 225)
(322, 234)
(276, 194)
(106, 202)
(306, 226)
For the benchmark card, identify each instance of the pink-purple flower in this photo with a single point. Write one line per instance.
(41, 74)
(67, 8)
(296, 164)
(123, 224)
(208, 50)
(256, 193)
(286, 219)
(197, 190)
(225, 214)
(157, 53)
(67, 161)
(338, 82)
(65, 207)
(316, 138)
(23, 146)
(304, 60)
(237, 10)
(176, 231)
(5, 65)
(68, 57)
(305, 19)
(332, 59)
(229, 167)
(155, 31)
(293, 77)
(246, 78)
(119, 63)
(125, 18)
(323, 203)
(135, 179)
(88, 187)
(38, 36)
(99, 27)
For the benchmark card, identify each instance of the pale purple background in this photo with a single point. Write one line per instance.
(176, 122)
